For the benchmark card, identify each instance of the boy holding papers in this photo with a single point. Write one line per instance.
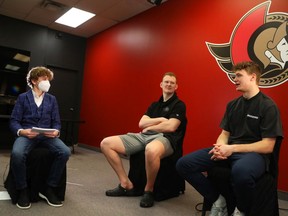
(37, 108)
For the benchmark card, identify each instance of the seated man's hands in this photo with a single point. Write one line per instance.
(28, 133)
(221, 151)
(51, 134)
(32, 134)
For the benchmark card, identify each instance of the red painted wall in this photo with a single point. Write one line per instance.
(125, 64)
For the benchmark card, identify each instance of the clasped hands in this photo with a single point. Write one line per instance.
(220, 151)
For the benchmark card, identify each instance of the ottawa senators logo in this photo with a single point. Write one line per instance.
(261, 37)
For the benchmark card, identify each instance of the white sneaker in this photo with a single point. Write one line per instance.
(219, 207)
(218, 211)
(237, 213)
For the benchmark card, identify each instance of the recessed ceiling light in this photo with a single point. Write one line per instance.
(74, 17)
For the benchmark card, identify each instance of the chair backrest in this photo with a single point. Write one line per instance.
(274, 158)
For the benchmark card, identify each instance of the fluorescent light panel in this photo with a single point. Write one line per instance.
(12, 67)
(74, 17)
(21, 57)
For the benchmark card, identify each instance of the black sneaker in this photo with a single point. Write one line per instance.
(51, 198)
(120, 191)
(23, 201)
(147, 199)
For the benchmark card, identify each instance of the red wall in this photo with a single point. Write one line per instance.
(125, 64)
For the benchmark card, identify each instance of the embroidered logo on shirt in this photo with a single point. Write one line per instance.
(252, 116)
(166, 109)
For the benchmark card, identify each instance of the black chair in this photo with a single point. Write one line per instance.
(168, 182)
(265, 197)
(38, 163)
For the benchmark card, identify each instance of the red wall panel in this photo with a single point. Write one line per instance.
(125, 64)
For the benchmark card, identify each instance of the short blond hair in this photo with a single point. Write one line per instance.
(170, 74)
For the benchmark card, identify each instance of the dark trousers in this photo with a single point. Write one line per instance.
(246, 169)
(23, 146)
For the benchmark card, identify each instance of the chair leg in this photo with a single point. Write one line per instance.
(203, 213)
(206, 207)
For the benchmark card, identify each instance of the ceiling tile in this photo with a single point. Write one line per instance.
(108, 13)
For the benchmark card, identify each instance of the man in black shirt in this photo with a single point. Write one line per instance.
(250, 127)
(163, 128)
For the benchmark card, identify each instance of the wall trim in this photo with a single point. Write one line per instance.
(89, 147)
(283, 195)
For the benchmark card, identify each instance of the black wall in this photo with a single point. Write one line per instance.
(48, 48)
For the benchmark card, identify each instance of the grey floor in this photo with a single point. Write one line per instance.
(89, 175)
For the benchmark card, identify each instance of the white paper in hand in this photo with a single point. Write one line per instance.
(42, 130)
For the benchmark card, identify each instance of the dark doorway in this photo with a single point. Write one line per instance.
(65, 86)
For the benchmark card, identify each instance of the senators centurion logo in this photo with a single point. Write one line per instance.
(261, 37)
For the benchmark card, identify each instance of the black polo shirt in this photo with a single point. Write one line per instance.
(251, 120)
(172, 108)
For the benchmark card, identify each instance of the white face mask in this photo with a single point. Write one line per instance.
(44, 85)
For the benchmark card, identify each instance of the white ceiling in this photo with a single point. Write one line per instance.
(108, 13)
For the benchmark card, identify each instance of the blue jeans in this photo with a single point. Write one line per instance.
(21, 148)
(246, 169)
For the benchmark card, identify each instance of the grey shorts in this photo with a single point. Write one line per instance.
(135, 142)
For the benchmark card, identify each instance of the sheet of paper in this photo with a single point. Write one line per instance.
(42, 130)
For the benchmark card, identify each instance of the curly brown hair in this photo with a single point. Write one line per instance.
(37, 72)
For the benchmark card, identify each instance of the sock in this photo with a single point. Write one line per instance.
(239, 212)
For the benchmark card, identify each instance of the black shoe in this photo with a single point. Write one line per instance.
(23, 201)
(147, 199)
(120, 191)
(51, 198)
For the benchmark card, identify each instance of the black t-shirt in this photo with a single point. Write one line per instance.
(251, 120)
(173, 108)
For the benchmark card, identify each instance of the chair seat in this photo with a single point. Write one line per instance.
(265, 196)
(168, 183)
(265, 201)
(38, 163)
